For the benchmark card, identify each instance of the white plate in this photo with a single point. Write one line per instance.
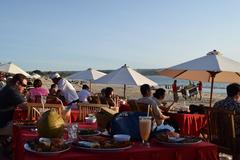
(105, 133)
(94, 134)
(28, 148)
(102, 149)
(176, 139)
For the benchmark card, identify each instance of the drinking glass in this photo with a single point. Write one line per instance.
(145, 125)
(43, 99)
(72, 131)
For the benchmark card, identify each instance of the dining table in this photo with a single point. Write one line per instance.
(22, 133)
(137, 151)
(189, 124)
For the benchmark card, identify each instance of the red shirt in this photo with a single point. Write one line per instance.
(174, 87)
(200, 86)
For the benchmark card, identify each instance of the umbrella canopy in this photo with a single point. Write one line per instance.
(36, 76)
(213, 67)
(87, 75)
(13, 69)
(126, 76)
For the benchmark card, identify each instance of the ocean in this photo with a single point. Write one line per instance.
(163, 81)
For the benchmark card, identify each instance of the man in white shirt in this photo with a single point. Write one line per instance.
(84, 94)
(65, 89)
(69, 93)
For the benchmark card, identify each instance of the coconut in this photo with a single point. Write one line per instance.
(50, 125)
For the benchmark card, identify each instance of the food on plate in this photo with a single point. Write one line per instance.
(103, 144)
(173, 137)
(87, 131)
(89, 144)
(43, 145)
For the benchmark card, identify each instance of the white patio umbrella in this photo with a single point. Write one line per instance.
(13, 69)
(126, 76)
(35, 76)
(86, 75)
(213, 67)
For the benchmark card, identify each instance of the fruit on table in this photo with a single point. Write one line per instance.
(50, 125)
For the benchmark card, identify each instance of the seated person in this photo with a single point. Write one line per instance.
(156, 112)
(231, 102)
(38, 90)
(108, 98)
(10, 98)
(53, 90)
(158, 97)
(84, 94)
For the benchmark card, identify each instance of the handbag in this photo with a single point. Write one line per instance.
(126, 123)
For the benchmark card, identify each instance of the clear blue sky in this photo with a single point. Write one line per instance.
(105, 34)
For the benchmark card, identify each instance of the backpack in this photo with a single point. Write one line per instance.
(126, 123)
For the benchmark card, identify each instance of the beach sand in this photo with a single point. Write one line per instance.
(133, 92)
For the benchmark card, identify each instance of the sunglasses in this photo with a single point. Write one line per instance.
(24, 85)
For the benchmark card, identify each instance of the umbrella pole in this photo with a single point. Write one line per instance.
(90, 85)
(211, 93)
(124, 91)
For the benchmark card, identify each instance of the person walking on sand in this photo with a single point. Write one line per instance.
(200, 89)
(175, 90)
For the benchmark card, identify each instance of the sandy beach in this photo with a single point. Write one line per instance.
(133, 92)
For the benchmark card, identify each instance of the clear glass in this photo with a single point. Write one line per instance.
(145, 125)
(43, 101)
(72, 131)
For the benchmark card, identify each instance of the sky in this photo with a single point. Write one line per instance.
(73, 35)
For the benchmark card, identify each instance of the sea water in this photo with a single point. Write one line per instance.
(163, 81)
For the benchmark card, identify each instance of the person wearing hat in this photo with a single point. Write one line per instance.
(66, 90)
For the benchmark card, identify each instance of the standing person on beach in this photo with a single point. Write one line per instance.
(175, 90)
(200, 89)
(66, 90)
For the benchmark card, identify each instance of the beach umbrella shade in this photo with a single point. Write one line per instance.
(35, 76)
(125, 76)
(13, 69)
(213, 67)
(86, 75)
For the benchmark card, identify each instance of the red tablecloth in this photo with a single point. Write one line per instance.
(189, 124)
(21, 135)
(201, 151)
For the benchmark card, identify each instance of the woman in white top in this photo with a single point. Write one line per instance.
(84, 94)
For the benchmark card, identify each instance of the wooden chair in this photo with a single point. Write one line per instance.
(89, 108)
(35, 109)
(133, 104)
(94, 99)
(221, 128)
(138, 107)
(49, 99)
(104, 117)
